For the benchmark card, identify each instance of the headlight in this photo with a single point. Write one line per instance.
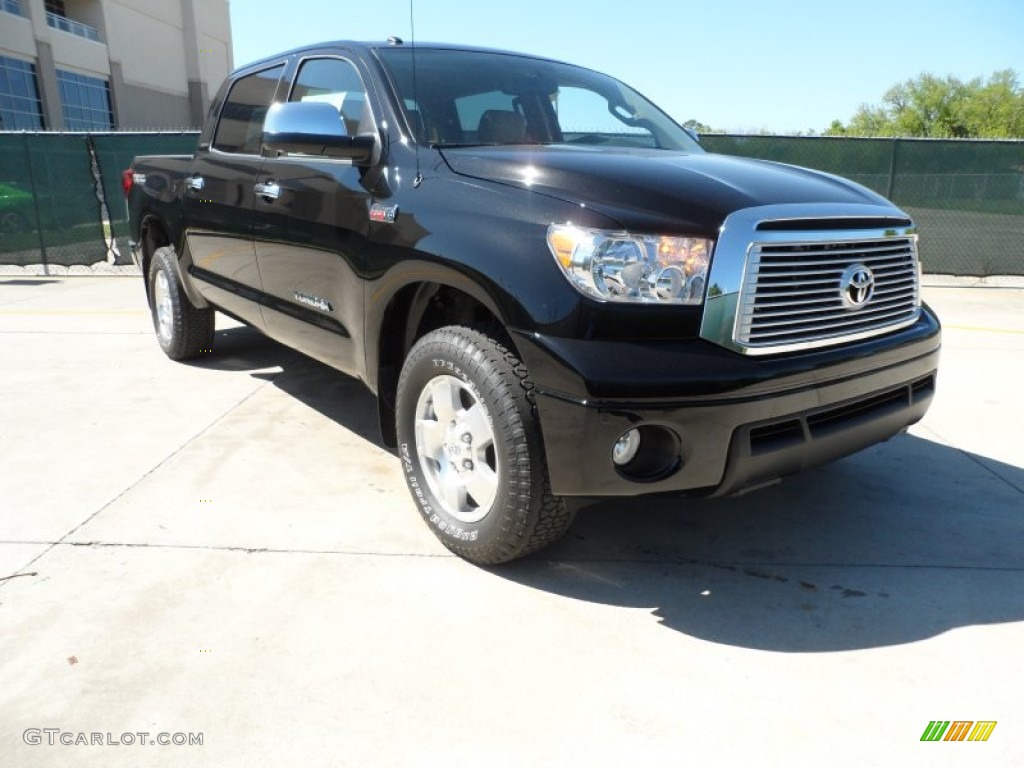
(618, 266)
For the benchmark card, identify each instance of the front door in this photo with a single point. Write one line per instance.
(310, 227)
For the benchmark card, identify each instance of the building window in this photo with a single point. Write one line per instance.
(65, 24)
(20, 107)
(11, 6)
(57, 17)
(86, 102)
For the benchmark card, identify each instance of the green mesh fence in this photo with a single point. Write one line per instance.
(49, 209)
(60, 194)
(967, 197)
(61, 201)
(114, 153)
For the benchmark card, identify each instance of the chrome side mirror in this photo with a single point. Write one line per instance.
(313, 128)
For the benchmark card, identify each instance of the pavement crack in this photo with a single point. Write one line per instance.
(979, 461)
(247, 550)
(63, 539)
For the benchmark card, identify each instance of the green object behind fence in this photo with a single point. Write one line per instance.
(49, 210)
(967, 197)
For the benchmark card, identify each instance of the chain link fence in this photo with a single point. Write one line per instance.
(114, 153)
(967, 197)
(49, 209)
(60, 194)
(61, 201)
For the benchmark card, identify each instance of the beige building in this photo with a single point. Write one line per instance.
(75, 65)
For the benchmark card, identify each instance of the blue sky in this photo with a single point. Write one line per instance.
(739, 65)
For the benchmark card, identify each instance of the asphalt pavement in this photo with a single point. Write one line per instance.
(224, 552)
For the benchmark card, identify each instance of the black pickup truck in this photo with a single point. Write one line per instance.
(551, 288)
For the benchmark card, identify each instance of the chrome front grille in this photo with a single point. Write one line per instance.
(803, 292)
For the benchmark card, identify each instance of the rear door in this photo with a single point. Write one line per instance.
(219, 198)
(311, 225)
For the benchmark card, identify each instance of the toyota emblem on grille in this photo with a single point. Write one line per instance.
(857, 286)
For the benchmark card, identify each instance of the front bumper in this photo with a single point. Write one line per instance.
(739, 422)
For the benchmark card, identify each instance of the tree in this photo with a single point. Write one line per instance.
(699, 127)
(997, 108)
(929, 106)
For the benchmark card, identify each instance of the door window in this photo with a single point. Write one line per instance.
(336, 82)
(240, 129)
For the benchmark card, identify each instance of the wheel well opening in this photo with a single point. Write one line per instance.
(414, 312)
(153, 236)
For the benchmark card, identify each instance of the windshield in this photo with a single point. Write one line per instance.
(473, 98)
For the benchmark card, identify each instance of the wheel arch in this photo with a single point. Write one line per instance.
(154, 234)
(414, 310)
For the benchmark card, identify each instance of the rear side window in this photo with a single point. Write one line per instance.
(335, 82)
(240, 129)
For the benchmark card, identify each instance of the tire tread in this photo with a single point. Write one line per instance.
(533, 517)
(193, 327)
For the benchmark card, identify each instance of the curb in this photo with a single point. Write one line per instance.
(100, 269)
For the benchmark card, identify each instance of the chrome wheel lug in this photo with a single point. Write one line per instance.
(453, 435)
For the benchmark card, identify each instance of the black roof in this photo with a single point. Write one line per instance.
(365, 47)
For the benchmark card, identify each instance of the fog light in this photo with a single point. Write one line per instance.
(625, 447)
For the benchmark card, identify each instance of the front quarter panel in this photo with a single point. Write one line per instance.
(484, 239)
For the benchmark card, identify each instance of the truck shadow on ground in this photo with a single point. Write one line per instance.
(901, 542)
(342, 399)
(246, 349)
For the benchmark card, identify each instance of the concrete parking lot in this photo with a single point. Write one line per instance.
(226, 549)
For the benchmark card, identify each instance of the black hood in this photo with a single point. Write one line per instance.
(655, 189)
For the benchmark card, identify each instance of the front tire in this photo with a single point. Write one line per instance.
(471, 448)
(183, 330)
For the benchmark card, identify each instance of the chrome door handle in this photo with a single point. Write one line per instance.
(268, 191)
(195, 183)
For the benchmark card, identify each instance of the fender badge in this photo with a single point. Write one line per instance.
(313, 301)
(383, 213)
